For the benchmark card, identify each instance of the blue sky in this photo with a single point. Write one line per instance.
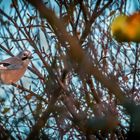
(5, 4)
(132, 6)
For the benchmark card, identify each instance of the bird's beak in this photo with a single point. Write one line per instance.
(30, 57)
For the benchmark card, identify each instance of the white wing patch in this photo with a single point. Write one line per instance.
(2, 67)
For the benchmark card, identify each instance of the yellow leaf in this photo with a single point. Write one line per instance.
(133, 27)
(126, 28)
(118, 26)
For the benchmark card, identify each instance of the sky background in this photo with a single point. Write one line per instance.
(132, 5)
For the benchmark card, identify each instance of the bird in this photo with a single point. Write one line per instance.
(13, 68)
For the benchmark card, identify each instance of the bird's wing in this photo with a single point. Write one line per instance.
(11, 63)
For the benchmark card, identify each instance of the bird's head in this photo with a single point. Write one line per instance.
(25, 55)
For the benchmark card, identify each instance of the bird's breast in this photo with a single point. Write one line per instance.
(11, 76)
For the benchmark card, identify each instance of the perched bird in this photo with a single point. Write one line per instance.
(12, 69)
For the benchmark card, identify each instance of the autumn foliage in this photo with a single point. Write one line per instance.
(126, 28)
